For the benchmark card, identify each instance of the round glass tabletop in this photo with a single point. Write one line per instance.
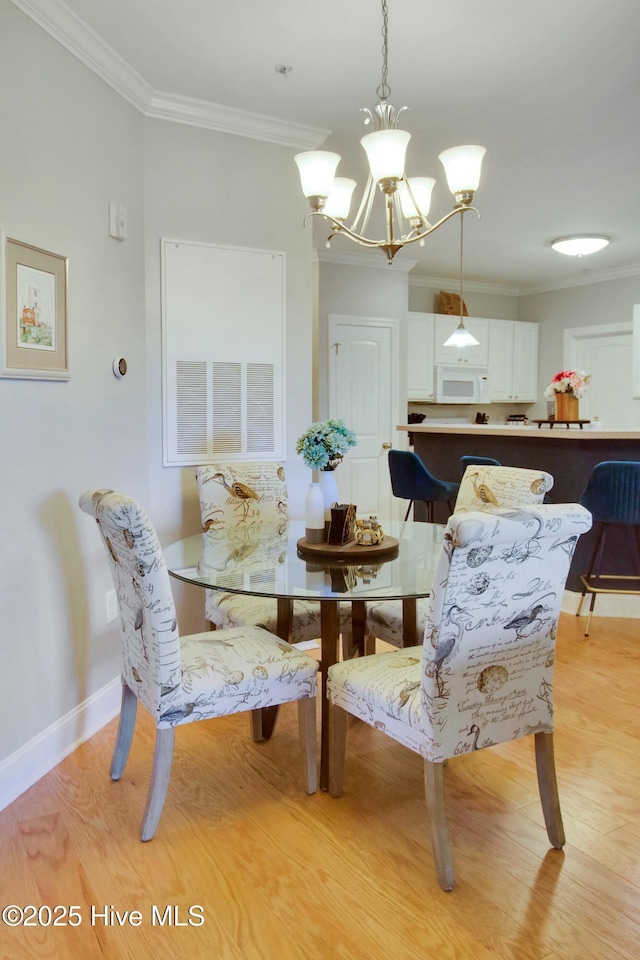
(264, 560)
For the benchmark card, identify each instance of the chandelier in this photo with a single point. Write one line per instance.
(407, 199)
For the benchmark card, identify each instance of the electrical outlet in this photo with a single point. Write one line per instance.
(112, 606)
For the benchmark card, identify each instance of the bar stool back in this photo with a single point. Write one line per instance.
(612, 495)
(410, 480)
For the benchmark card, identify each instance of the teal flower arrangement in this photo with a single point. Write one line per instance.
(323, 445)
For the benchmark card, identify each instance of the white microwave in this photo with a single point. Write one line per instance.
(456, 384)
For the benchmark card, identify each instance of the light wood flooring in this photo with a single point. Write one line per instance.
(280, 875)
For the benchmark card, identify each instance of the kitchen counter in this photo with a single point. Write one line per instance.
(530, 431)
(569, 455)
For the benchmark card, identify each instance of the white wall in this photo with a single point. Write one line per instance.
(70, 144)
(217, 188)
(610, 301)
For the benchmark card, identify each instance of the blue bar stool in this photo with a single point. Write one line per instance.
(612, 495)
(471, 461)
(410, 480)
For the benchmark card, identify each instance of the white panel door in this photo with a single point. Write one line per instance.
(363, 391)
(605, 353)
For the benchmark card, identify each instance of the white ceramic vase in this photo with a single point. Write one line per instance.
(329, 489)
(314, 514)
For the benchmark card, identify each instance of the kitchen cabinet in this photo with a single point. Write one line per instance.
(513, 361)
(477, 356)
(420, 380)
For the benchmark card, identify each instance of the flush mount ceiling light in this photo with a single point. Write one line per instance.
(405, 198)
(579, 246)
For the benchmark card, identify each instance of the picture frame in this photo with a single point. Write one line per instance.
(33, 312)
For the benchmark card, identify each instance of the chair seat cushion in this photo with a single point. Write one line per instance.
(228, 671)
(384, 691)
(384, 620)
(227, 610)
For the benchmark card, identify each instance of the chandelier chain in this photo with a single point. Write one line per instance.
(384, 90)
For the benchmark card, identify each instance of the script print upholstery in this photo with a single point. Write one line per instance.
(484, 673)
(180, 680)
(482, 488)
(485, 486)
(245, 513)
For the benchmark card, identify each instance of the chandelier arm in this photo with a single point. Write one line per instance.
(425, 233)
(364, 211)
(341, 228)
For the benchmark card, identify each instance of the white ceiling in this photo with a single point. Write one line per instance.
(551, 88)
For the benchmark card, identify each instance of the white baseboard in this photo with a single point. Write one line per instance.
(46, 750)
(607, 605)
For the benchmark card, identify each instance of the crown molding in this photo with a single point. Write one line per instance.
(80, 40)
(378, 262)
(240, 123)
(73, 34)
(474, 286)
(587, 277)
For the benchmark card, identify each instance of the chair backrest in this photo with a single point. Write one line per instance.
(149, 629)
(470, 460)
(612, 493)
(483, 487)
(490, 632)
(410, 479)
(242, 493)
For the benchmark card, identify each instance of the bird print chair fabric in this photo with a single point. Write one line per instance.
(486, 486)
(508, 487)
(484, 673)
(241, 497)
(183, 679)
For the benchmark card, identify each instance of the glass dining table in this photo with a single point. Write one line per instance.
(268, 561)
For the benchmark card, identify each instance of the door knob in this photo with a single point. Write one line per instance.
(386, 446)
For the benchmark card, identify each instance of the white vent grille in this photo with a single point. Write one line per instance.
(223, 342)
(260, 408)
(226, 403)
(191, 408)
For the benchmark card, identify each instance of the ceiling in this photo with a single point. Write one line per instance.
(551, 88)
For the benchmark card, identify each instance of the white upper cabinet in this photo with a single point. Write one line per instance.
(420, 383)
(476, 356)
(513, 361)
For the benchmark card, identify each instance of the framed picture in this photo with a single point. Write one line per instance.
(33, 312)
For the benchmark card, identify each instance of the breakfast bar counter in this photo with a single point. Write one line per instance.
(569, 455)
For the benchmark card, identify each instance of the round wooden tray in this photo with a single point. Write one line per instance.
(349, 552)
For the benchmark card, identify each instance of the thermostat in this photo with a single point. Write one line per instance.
(119, 367)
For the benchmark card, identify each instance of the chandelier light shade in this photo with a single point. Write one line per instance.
(406, 199)
(579, 246)
(415, 198)
(338, 202)
(462, 167)
(317, 172)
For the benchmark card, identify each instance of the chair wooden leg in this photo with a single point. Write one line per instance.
(337, 748)
(263, 723)
(434, 793)
(162, 760)
(308, 740)
(128, 709)
(545, 765)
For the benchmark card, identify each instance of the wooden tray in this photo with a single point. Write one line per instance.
(568, 423)
(348, 552)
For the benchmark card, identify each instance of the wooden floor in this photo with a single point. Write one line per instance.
(280, 875)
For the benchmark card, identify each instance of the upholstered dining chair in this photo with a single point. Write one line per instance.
(482, 486)
(242, 495)
(484, 673)
(184, 679)
(488, 485)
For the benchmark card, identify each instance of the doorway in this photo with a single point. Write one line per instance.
(605, 351)
(363, 391)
